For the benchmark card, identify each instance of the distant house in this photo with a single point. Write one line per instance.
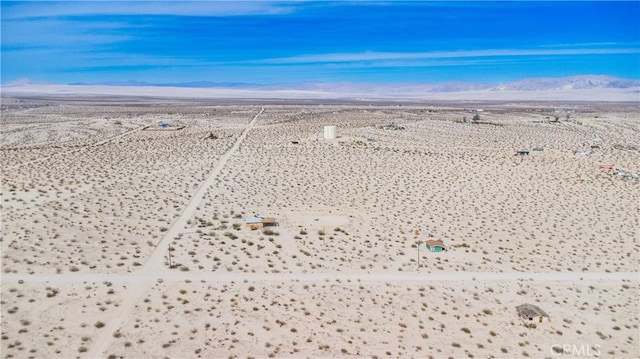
(531, 313)
(259, 222)
(391, 126)
(269, 222)
(625, 174)
(595, 143)
(164, 126)
(435, 245)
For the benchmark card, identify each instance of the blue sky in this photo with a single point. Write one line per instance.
(295, 41)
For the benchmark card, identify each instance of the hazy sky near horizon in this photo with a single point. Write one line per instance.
(294, 41)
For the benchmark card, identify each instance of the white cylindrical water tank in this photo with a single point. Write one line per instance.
(329, 132)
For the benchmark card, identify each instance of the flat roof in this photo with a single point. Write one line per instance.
(529, 311)
(434, 242)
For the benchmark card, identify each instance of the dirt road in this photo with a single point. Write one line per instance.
(178, 276)
(155, 262)
(154, 265)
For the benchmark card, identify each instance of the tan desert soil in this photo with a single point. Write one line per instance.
(123, 239)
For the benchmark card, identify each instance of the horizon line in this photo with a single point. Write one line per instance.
(24, 81)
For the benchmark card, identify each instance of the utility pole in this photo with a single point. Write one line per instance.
(417, 234)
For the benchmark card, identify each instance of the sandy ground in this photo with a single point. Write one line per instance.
(123, 239)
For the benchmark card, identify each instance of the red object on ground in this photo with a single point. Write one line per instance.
(606, 166)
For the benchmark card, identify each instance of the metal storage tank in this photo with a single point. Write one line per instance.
(329, 132)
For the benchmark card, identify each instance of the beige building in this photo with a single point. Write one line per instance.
(532, 313)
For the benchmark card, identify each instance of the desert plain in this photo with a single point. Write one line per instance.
(124, 235)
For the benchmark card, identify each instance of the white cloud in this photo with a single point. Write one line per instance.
(384, 56)
(31, 9)
(57, 34)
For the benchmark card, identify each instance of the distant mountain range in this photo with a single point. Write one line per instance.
(583, 82)
(26, 82)
(586, 82)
